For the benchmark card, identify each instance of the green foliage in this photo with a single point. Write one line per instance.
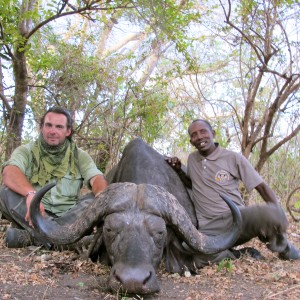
(169, 20)
(248, 6)
(226, 264)
(297, 201)
(204, 70)
(9, 18)
(281, 170)
(80, 284)
(147, 112)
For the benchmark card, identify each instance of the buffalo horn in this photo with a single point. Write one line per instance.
(176, 217)
(58, 234)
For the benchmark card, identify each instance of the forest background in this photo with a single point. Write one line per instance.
(127, 69)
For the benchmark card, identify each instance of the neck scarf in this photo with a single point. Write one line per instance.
(52, 161)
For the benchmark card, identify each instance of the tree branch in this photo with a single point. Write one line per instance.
(5, 102)
(283, 141)
(79, 10)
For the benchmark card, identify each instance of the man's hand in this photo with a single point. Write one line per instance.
(28, 201)
(174, 162)
(99, 184)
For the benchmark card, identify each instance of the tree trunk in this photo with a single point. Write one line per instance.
(17, 112)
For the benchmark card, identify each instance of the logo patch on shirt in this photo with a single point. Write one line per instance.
(222, 176)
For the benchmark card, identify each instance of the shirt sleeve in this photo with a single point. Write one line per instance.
(87, 166)
(20, 158)
(248, 175)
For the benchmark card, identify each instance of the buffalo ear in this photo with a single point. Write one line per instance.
(97, 250)
(177, 259)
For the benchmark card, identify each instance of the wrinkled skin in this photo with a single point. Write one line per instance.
(135, 264)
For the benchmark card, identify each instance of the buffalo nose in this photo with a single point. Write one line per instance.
(135, 276)
(140, 280)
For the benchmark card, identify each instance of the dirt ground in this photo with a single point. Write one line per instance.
(34, 273)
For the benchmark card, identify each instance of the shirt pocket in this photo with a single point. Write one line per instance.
(71, 186)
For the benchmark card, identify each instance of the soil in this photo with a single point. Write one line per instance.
(34, 273)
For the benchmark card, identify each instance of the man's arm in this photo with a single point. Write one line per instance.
(98, 184)
(184, 178)
(15, 180)
(267, 193)
(175, 163)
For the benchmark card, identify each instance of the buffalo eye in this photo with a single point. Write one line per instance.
(109, 233)
(156, 227)
(159, 238)
(112, 226)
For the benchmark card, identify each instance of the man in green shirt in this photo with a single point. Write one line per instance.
(52, 158)
(212, 171)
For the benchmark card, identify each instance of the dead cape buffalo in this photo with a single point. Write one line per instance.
(139, 221)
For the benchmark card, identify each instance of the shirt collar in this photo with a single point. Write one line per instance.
(213, 156)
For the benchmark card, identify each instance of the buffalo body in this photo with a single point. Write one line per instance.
(145, 215)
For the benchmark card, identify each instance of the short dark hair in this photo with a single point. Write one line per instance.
(201, 120)
(62, 111)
